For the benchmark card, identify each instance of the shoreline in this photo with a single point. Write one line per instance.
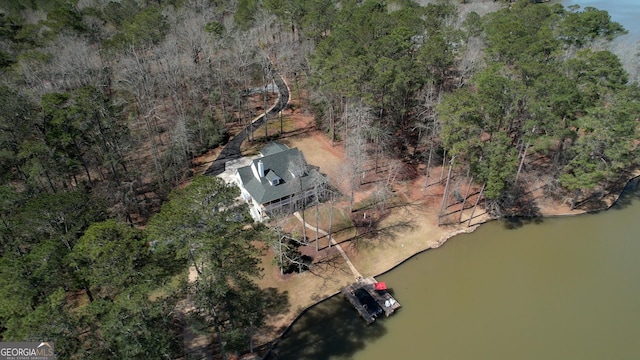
(610, 200)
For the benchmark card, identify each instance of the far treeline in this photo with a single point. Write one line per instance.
(524, 94)
(105, 104)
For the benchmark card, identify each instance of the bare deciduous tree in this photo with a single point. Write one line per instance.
(357, 122)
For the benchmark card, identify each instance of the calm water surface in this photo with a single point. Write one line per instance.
(558, 289)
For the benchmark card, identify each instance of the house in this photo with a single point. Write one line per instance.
(279, 180)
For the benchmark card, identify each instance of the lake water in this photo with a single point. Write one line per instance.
(562, 288)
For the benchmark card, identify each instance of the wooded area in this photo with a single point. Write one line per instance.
(104, 104)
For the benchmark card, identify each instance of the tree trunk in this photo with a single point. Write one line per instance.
(281, 263)
(332, 125)
(224, 111)
(476, 204)
(444, 161)
(216, 325)
(426, 180)
(304, 222)
(464, 201)
(574, 200)
(264, 96)
(154, 147)
(353, 187)
(195, 263)
(331, 220)
(46, 173)
(317, 219)
(86, 170)
(88, 291)
(524, 155)
(446, 190)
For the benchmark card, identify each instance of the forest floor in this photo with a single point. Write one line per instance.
(376, 237)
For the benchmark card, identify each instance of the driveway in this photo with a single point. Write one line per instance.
(231, 151)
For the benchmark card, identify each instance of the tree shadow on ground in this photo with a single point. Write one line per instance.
(328, 265)
(331, 329)
(370, 230)
(275, 302)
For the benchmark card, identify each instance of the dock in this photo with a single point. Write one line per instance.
(369, 302)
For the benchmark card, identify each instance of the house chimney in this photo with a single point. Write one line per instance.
(260, 168)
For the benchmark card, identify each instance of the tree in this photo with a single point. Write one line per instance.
(147, 27)
(597, 73)
(462, 124)
(498, 166)
(357, 120)
(606, 145)
(106, 135)
(64, 15)
(51, 320)
(512, 39)
(225, 290)
(135, 325)
(51, 225)
(245, 13)
(62, 132)
(179, 227)
(16, 127)
(109, 257)
(580, 28)
(119, 12)
(203, 224)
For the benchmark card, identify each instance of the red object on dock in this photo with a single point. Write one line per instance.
(381, 286)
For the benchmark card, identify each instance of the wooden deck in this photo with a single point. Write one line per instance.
(383, 299)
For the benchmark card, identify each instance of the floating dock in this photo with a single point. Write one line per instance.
(369, 302)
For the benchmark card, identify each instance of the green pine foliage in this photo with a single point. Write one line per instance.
(544, 87)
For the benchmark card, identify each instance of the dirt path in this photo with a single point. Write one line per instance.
(352, 267)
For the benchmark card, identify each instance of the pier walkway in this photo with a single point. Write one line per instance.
(369, 302)
(353, 269)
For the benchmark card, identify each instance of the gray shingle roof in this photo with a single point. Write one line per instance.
(282, 164)
(272, 148)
